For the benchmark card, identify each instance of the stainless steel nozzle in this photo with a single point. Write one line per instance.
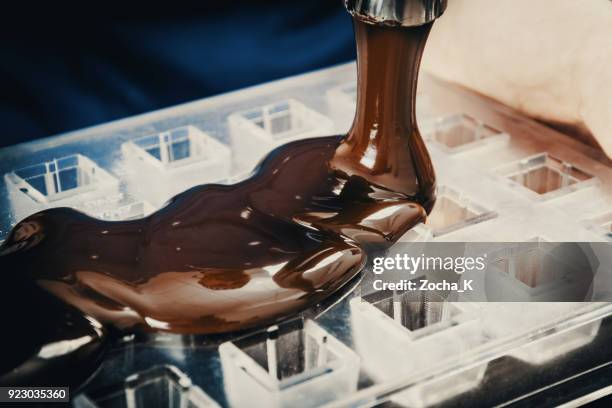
(396, 12)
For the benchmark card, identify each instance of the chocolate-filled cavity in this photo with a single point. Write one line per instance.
(223, 258)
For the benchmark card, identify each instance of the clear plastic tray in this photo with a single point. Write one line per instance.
(502, 177)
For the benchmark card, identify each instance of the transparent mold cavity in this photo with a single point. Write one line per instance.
(162, 165)
(460, 133)
(537, 270)
(160, 386)
(419, 330)
(174, 148)
(525, 263)
(69, 181)
(295, 364)
(59, 179)
(255, 132)
(416, 311)
(454, 211)
(544, 176)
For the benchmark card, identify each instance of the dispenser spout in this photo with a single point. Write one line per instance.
(406, 13)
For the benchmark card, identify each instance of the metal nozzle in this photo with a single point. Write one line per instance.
(396, 12)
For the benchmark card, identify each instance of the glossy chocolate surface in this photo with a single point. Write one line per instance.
(222, 258)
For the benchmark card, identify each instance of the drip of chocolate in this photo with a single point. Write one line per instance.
(223, 258)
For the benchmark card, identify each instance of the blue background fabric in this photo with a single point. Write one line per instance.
(62, 72)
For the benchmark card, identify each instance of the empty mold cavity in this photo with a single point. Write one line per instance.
(70, 181)
(295, 364)
(525, 263)
(59, 179)
(461, 132)
(162, 165)
(257, 131)
(546, 176)
(415, 310)
(160, 386)
(282, 120)
(419, 330)
(127, 212)
(454, 211)
(537, 270)
(174, 148)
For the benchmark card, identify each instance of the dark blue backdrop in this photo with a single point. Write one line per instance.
(60, 72)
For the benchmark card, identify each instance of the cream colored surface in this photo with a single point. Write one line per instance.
(551, 59)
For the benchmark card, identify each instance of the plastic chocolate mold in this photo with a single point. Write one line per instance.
(548, 338)
(162, 165)
(419, 330)
(257, 131)
(454, 211)
(534, 272)
(416, 311)
(64, 182)
(295, 364)
(544, 176)
(539, 271)
(460, 133)
(160, 386)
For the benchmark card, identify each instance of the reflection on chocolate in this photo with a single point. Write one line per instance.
(222, 258)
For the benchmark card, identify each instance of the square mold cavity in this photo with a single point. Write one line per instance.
(420, 312)
(419, 330)
(460, 133)
(539, 271)
(174, 148)
(160, 386)
(543, 176)
(255, 132)
(295, 364)
(64, 182)
(454, 211)
(162, 165)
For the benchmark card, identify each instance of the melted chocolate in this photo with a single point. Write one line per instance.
(222, 258)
